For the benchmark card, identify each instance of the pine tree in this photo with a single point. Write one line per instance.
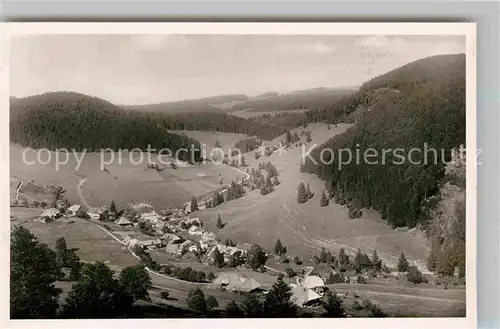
(269, 183)
(301, 193)
(243, 162)
(194, 204)
(358, 261)
(277, 303)
(288, 137)
(308, 137)
(324, 201)
(308, 192)
(333, 306)
(343, 259)
(403, 263)
(112, 208)
(376, 261)
(220, 225)
(278, 248)
(218, 258)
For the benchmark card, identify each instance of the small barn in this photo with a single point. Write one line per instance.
(303, 296)
(124, 222)
(324, 271)
(50, 214)
(232, 281)
(73, 210)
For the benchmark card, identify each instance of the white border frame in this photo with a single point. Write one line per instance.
(468, 30)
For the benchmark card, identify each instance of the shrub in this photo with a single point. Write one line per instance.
(196, 300)
(414, 275)
(377, 312)
(211, 276)
(164, 294)
(361, 279)
(290, 273)
(357, 306)
(286, 261)
(211, 302)
(366, 304)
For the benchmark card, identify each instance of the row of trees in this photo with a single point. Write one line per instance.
(96, 293)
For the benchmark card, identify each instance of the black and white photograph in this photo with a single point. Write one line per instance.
(225, 170)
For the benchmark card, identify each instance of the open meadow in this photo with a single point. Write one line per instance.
(306, 228)
(121, 181)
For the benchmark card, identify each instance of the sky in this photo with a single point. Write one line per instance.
(141, 69)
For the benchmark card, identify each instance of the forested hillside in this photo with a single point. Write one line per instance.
(220, 122)
(76, 121)
(303, 99)
(422, 102)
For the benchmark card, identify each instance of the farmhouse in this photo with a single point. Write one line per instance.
(303, 296)
(73, 210)
(208, 237)
(150, 217)
(124, 222)
(313, 282)
(232, 281)
(195, 230)
(193, 221)
(178, 248)
(50, 214)
(171, 238)
(227, 252)
(244, 247)
(322, 270)
(93, 215)
(149, 244)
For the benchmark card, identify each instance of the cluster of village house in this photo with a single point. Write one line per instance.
(306, 291)
(185, 233)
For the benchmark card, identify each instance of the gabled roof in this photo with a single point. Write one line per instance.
(313, 281)
(51, 212)
(302, 295)
(74, 207)
(123, 221)
(322, 270)
(236, 282)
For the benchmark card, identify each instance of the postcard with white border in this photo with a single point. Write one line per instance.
(163, 173)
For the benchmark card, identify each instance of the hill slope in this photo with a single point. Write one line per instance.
(77, 121)
(419, 105)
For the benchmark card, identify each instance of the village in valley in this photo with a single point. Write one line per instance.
(173, 243)
(270, 206)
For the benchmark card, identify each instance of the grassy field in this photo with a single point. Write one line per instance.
(398, 300)
(93, 243)
(209, 138)
(20, 215)
(306, 228)
(124, 182)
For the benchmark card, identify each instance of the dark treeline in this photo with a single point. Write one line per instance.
(220, 122)
(289, 120)
(76, 121)
(429, 108)
(190, 105)
(304, 99)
